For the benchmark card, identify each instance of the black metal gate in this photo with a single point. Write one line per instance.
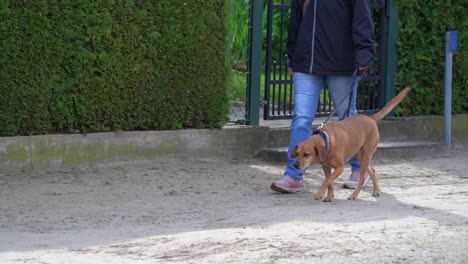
(278, 94)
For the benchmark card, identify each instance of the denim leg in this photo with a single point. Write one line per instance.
(307, 90)
(339, 88)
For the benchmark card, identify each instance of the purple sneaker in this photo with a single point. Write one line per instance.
(353, 180)
(287, 184)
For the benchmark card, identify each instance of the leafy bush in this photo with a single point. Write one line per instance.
(421, 55)
(89, 66)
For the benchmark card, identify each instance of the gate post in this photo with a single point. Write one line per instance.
(254, 66)
(390, 67)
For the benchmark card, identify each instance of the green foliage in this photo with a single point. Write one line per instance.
(89, 66)
(279, 31)
(237, 47)
(421, 55)
(238, 32)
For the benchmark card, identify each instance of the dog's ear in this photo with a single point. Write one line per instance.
(294, 152)
(320, 152)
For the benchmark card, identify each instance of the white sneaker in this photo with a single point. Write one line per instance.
(353, 180)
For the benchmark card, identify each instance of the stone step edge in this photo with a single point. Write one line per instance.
(384, 145)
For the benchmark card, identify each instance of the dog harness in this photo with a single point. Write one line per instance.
(325, 137)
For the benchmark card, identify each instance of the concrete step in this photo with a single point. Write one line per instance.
(387, 149)
(279, 136)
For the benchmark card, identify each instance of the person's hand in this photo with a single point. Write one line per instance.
(290, 71)
(363, 68)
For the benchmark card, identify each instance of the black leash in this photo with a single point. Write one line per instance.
(350, 92)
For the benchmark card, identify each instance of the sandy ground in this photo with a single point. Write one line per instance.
(193, 210)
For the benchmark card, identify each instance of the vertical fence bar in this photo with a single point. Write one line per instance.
(254, 66)
(290, 89)
(268, 55)
(390, 48)
(282, 103)
(273, 90)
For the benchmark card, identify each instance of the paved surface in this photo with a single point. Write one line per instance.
(194, 210)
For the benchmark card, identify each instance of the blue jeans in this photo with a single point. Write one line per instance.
(307, 89)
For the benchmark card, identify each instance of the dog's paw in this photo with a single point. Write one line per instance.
(351, 198)
(318, 197)
(328, 199)
(376, 194)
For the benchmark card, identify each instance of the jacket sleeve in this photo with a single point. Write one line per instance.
(294, 23)
(363, 34)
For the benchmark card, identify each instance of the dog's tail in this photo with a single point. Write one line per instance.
(390, 105)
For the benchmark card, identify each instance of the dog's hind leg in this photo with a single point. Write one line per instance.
(364, 166)
(375, 182)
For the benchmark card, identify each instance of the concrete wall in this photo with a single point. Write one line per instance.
(55, 151)
(432, 128)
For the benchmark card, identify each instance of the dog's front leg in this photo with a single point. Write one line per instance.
(328, 182)
(331, 190)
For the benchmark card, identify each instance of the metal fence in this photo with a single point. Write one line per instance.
(278, 95)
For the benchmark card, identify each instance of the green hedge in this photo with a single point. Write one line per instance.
(421, 55)
(88, 66)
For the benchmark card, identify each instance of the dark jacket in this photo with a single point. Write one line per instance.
(333, 38)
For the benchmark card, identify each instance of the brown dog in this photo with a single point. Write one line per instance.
(338, 142)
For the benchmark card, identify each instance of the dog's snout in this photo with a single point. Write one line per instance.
(296, 165)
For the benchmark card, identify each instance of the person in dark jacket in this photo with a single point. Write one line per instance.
(327, 41)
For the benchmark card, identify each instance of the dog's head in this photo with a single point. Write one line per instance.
(308, 152)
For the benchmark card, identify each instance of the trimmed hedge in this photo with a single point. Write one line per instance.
(421, 55)
(89, 66)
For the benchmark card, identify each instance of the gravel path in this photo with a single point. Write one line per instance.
(191, 210)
